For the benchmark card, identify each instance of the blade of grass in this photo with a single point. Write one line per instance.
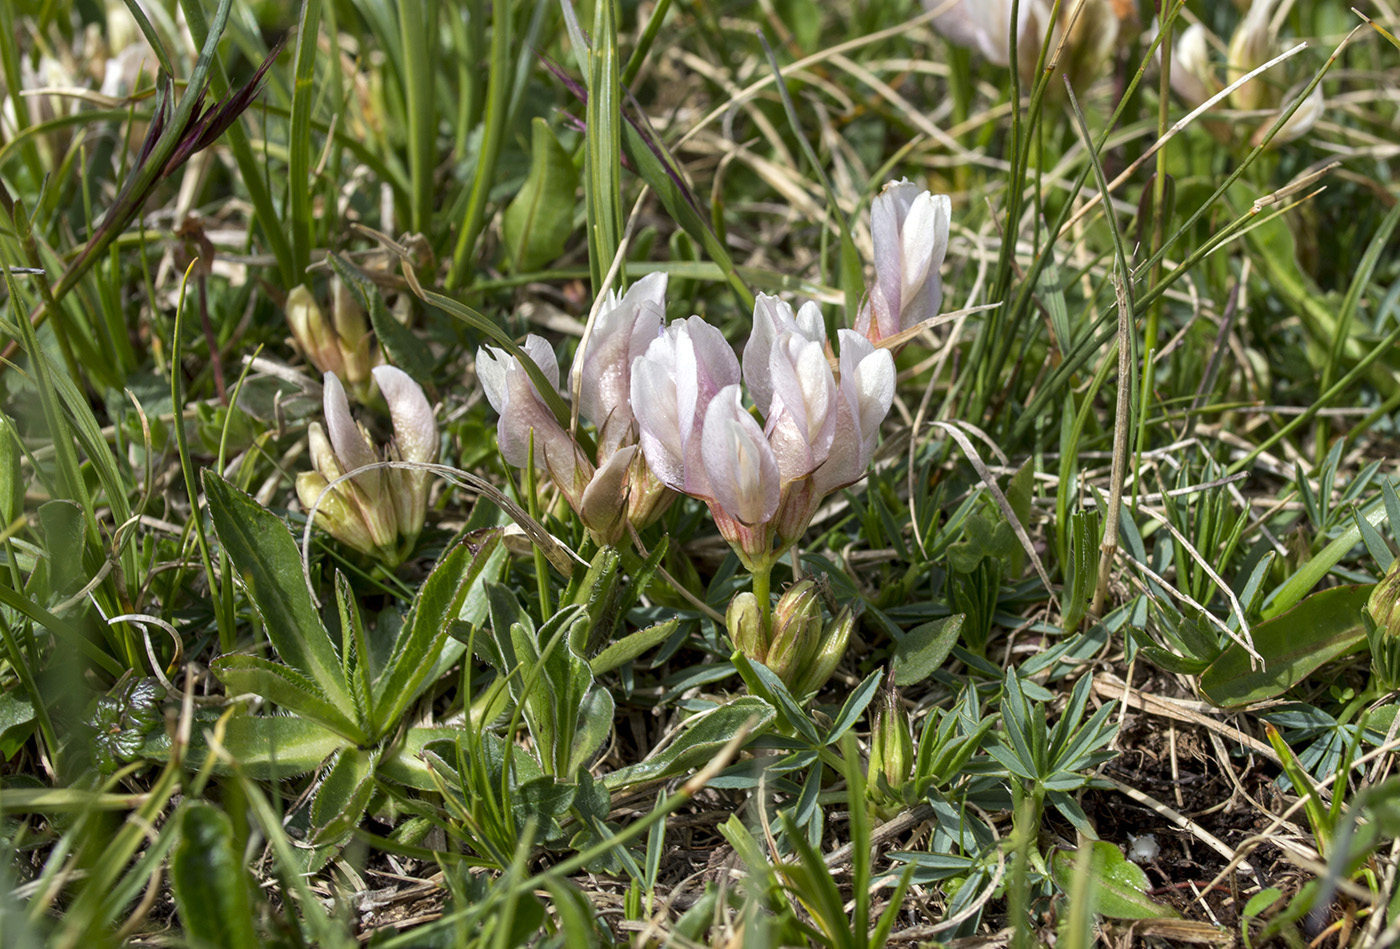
(299, 137)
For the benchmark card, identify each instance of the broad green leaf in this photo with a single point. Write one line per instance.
(630, 647)
(595, 722)
(287, 688)
(425, 630)
(17, 722)
(213, 890)
(265, 747)
(1120, 887)
(699, 741)
(65, 541)
(923, 650)
(1294, 644)
(263, 552)
(343, 795)
(538, 222)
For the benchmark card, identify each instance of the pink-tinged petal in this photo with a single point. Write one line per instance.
(866, 393)
(526, 414)
(415, 429)
(867, 379)
(772, 319)
(623, 330)
(542, 354)
(742, 471)
(491, 366)
(886, 220)
(603, 505)
(802, 421)
(347, 438)
(810, 323)
(672, 385)
(655, 404)
(932, 227)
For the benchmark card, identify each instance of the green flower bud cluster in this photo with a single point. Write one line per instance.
(799, 644)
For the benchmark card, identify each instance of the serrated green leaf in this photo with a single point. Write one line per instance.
(263, 552)
(424, 632)
(631, 646)
(286, 688)
(341, 799)
(265, 747)
(700, 739)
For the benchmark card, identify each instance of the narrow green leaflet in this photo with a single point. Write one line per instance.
(425, 631)
(343, 795)
(1323, 627)
(699, 741)
(287, 688)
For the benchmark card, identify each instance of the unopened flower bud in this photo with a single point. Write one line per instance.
(829, 652)
(744, 621)
(1249, 49)
(1384, 638)
(352, 330)
(891, 748)
(314, 336)
(334, 512)
(797, 633)
(1384, 600)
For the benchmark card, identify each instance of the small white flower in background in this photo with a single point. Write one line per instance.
(379, 511)
(1143, 849)
(1249, 49)
(1194, 78)
(985, 27)
(909, 228)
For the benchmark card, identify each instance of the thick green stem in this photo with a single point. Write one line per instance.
(762, 571)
